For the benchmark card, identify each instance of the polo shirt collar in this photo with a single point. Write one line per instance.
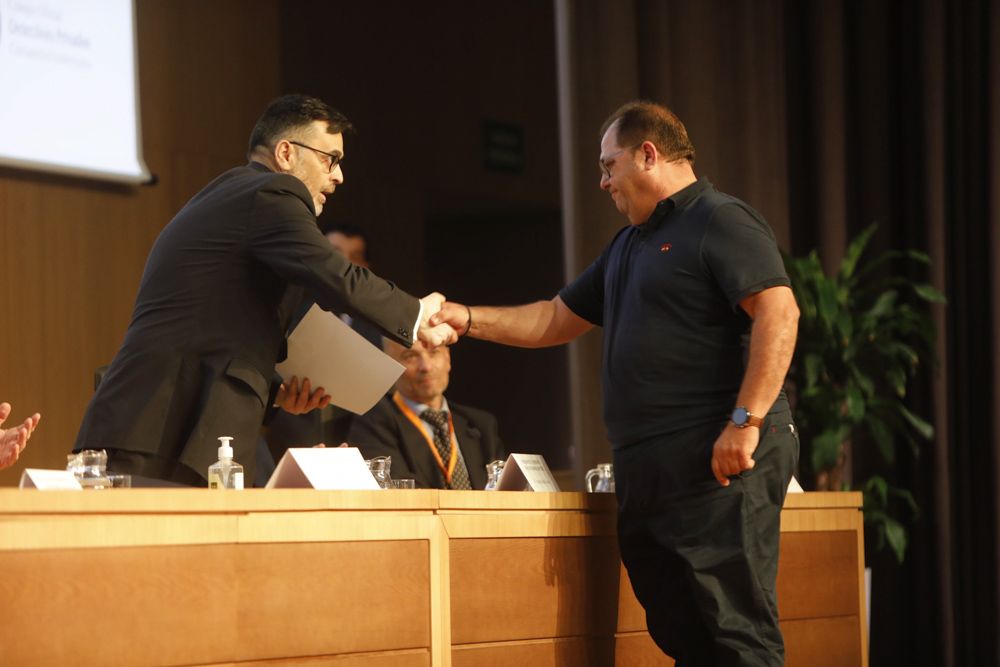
(679, 199)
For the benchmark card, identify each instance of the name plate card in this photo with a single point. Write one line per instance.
(325, 468)
(49, 480)
(526, 472)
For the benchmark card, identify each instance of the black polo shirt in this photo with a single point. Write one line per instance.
(667, 294)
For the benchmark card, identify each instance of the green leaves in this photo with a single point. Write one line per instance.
(929, 293)
(862, 335)
(828, 448)
(880, 501)
(919, 425)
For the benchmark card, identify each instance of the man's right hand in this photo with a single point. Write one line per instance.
(437, 334)
(298, 400)
(454, 314)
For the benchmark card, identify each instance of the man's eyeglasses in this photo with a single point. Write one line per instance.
(333, 158)
(608, 162)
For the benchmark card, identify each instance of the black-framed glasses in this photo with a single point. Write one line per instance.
(334, 157)
(608, 162)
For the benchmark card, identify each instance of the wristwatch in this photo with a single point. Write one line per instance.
(742, 418)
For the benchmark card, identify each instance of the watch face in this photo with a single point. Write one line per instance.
(740, 416)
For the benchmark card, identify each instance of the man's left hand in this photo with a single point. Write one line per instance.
(298, 400)
(733, 452)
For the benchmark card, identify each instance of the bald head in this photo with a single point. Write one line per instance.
(426, 373)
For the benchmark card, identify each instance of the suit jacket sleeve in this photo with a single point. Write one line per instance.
(284, 236)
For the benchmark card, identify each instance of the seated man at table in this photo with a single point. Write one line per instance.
(438, 443)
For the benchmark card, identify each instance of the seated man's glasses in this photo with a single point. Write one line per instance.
(333, 159)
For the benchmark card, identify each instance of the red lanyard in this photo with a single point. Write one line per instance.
(419, 424)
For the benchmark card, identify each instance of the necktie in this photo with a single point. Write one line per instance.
(438, 419)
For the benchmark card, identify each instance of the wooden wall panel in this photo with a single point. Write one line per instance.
(72, 251)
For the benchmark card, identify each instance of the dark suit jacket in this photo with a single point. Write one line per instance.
(385, 431)
(220, 287)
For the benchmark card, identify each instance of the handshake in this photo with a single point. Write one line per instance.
(442, 322)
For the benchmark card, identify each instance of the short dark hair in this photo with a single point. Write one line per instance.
(290, 113)
(641, 120)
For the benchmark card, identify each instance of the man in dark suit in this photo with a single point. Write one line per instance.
(218, 293)
(438, 443)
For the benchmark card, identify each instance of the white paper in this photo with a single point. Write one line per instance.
(526, 472)
(49, 480)
(794, 486)
(327, 468)
(355, 373)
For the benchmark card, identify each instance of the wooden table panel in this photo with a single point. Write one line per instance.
(528, 588)
(334, 597)
(182, 605)
(823, 642)
(637, 649)
(413, 658)
(801, 593)
(631, 615)
(568, 652)
(372, 579)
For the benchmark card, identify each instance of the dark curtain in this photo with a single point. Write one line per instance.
(828, 115)
(907, 88)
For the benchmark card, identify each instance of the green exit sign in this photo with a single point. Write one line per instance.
(503, 147)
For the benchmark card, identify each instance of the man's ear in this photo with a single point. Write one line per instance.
(649, 154)
(283, 155)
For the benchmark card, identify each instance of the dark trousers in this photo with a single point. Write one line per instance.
(703, 558)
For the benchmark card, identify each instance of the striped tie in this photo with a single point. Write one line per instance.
(438, 419)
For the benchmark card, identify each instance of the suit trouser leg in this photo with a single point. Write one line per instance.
(703, 558)
(147, 469)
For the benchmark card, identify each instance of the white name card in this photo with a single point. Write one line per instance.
(49, 480)
(327, 468)
(526, 472)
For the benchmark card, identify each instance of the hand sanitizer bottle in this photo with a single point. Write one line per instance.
(225, 473)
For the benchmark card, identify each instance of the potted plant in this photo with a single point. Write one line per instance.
(863, 333)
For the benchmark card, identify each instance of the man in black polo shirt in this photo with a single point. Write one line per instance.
(699, 329)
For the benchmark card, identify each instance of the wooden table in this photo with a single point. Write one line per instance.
(372, 578)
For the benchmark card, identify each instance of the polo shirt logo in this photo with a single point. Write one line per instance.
(665, 247)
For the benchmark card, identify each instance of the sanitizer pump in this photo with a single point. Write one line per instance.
(225, 473)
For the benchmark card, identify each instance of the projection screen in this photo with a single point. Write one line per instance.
(69, 98)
